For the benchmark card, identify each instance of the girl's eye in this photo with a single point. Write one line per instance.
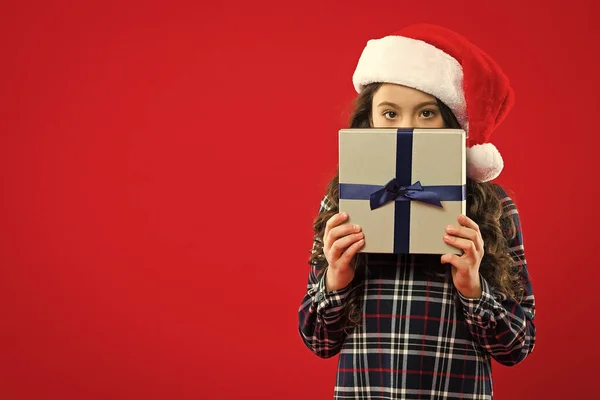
(390, 114)
(427, 114)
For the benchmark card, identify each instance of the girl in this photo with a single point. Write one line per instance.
(424, 326)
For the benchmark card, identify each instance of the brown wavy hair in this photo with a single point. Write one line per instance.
(484, 206)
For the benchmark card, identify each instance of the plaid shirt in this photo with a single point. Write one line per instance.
(419, 337)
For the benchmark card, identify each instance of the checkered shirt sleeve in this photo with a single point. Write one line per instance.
(504, 326)
(321, 314)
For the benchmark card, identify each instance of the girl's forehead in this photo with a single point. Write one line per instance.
(400, 93)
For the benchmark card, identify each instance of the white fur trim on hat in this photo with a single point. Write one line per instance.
(427, 69)
(484, 162)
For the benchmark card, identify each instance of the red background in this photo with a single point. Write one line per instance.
(161, 164)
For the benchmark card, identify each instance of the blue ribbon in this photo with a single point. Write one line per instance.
(392, 190)
(354, 191)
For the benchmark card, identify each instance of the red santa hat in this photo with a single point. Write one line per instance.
(444, 64)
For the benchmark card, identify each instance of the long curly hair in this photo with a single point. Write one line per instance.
(484, 206)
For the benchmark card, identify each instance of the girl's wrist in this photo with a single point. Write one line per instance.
(471, 291)
(334, 282)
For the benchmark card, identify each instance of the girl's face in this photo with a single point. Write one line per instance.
(396, 106)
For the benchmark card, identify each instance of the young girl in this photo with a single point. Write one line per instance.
(424, 326)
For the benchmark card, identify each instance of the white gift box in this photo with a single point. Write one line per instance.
(403, 186)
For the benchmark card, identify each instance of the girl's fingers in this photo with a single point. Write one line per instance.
(459, 262)
(351, 252)
(468, 246)
(468, 222)
(340, 245)
(334, 231)
(466, 233)
(342, 230)
(334, 221)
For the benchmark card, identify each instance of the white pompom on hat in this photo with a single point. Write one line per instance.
(444, 64)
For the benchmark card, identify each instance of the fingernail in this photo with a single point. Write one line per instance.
(446, 237)
(449, 228)
(356, 228)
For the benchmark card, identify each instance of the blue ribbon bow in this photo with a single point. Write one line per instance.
(392, 190)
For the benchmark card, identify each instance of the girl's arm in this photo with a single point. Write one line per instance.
(503, 326)
(321, 315)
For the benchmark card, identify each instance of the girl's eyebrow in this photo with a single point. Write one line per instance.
(394, 105)
(389, 104)
(427, 103)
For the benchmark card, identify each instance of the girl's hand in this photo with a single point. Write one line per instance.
(465, 268)
(340, 245)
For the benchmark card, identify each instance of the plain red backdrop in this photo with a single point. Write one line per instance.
(161, 164)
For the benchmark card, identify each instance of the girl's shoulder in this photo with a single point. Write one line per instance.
(502, 191)
(327, 204)
(505, 195)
